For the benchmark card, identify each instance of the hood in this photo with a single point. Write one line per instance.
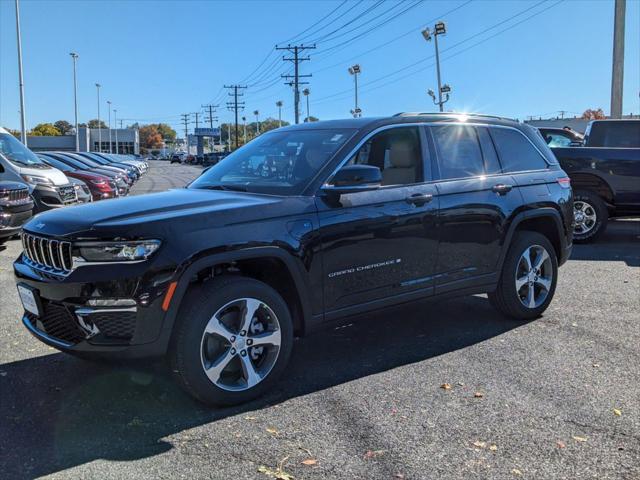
(87, 175)
(134, 217)
(56, 176)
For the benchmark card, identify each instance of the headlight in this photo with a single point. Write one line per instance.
(36, 180)
(117, 251)
(97, 182)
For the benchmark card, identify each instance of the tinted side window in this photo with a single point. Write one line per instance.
(459, 154)
(614, 134)
(516, 152)
(396, 152)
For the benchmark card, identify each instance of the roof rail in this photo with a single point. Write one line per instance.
(470, 114)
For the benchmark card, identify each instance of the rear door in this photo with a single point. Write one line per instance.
(476, 199)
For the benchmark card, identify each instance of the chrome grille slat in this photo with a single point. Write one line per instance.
(52, 256)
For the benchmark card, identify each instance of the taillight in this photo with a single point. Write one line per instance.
(565, 182)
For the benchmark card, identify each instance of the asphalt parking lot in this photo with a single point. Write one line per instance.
(556, 398)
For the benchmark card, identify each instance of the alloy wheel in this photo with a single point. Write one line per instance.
(585, 217)
(534, 276)
(240, 344)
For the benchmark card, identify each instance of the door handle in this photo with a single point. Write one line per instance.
(419, 199)
(502, 188)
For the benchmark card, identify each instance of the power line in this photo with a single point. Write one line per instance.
(316, 23)
(211, 109)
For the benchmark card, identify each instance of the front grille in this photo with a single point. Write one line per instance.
(114, 324)
(58, 322)
(47, 253)
(18, 196)
(68, 194)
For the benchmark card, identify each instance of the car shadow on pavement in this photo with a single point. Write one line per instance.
(57, 412)
(620, 242)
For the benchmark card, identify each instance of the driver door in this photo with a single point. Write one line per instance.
(379, 246)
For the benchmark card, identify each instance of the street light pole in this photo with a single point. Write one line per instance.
(23, 121)
(99, 129)
(244, 127)
(109, 103)
(617, 74)
(74, 58)
(115, 112)
(306, 93)
(355, 71)
(439, 29)
(256, 113)
(279, 105)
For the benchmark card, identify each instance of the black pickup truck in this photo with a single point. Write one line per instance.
(605, 175)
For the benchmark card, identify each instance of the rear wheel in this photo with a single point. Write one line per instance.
(590, 215)
(528, 280)
(232, 341)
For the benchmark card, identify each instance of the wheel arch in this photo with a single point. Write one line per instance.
(286, 275)
(594, 183)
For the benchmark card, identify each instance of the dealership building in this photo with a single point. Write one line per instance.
(123, 140)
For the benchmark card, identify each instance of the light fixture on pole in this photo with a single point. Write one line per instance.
(99, 129)
(257, 113)
(355, 71)
(279, 105)
(306, 92)
(74, 57)
(439, 29)
(109, 103)
(23, 120)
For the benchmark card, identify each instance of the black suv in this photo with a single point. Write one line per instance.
(299, 229)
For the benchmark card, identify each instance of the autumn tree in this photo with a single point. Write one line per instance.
(168, 133)
(150, 137)
(45, 130)
(593, 114)
(15, 133)
(64, 127)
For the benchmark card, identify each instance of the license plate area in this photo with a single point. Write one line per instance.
(30, 299)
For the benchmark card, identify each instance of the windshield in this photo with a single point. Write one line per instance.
(13, 150)
(279, 162)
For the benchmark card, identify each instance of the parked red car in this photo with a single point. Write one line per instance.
(101, 186)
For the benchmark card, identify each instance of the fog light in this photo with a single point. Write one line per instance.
(111, 302)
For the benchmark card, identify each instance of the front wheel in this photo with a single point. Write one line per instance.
(232, 341)
(528, 279)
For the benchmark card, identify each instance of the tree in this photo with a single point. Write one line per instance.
(593, 114)
(311, 118)
(168, 133)
(150, 137)
(15, 133)
(64, 127)
(45, 130)
(94, 124)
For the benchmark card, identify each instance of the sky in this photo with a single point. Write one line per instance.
(158, 59)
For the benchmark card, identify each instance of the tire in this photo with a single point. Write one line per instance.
(242, 374)
(589, 227)
(514, 301)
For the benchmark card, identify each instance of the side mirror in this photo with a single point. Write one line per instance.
(354, 178)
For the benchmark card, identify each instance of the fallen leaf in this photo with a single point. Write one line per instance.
(515, 471)
(250, 418)
(479, 444)
(560, 444)
(460, 384)
(373, 453)
(399, 476)
(617, 412)
(596, 365)
(579, 439)
(445, 386)
(478, 395)
(278, 473)
(493, 448)
(310, 461)
(272, 431)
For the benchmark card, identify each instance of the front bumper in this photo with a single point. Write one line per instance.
(12, 219)
(46, 197)
(70, 322)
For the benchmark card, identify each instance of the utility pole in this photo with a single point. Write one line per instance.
(196, 114)
(235, 106)
(617, 74)
(279, 105)
(355, 71)
(109, 103)
(295, 82)
(439, 29)
(185, 119)
(306, 92)
(99, 129)
(212, 110)
(74, 57)
(23, 121)
(115, 113)
(562, 112)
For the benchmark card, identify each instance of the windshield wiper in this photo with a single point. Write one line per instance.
(232, 187)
